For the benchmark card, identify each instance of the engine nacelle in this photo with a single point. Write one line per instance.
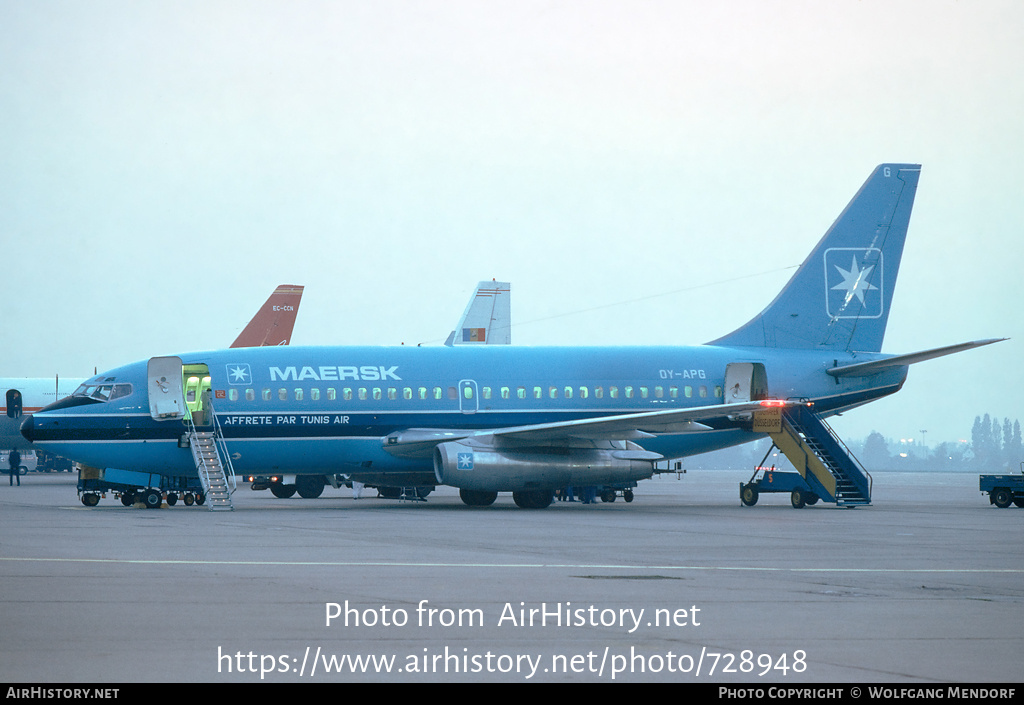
(473, 467)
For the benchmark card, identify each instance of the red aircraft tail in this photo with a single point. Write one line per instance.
(272, 324)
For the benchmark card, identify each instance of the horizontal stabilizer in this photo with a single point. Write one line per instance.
(866, 369)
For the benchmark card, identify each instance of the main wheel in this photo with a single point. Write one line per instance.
(749, 495)
(477, 498)
(1002, 497)
(282, 491)
(533, 499)
(310, 486)
(152, 499)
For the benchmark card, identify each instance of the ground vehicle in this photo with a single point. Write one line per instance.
(28, 462)
(773, 480)
(130, 486)
(1003, 489)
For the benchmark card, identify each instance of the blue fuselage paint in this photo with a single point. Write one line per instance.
(327, 409)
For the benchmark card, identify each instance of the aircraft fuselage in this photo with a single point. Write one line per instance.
(322, 410)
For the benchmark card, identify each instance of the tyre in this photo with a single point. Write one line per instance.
(90, 500)
(533, 499)
(477, 498)
(1002, 497)
(748, 495)
(310, 486)
(152, 499)
(281, 491)
(797, 499)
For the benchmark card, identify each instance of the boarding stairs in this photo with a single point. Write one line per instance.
(824, 461)
(214, 473)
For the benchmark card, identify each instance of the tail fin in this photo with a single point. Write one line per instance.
(839, 297)
(487, 319)
(273, 323)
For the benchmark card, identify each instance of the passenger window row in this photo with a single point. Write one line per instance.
(487, 393)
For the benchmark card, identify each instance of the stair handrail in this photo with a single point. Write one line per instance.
(835, 436)
(201, 467)
(222, 446)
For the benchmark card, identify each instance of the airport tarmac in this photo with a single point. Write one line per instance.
(683, 584)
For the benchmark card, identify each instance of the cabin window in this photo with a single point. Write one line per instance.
(392, 394)
(584, 392)
(422, 392)
(332, 393)
(377, 395)
(613, 392)
(453, 393)
(266, 395)
(314, 393)
(299, 394)
(644, 392)
(629, 392)
(250, 395)
(506, 393)
(688, 391)
(703, 391)
(362, 394)
(538, 393)
(599, 392)
(282, 394)
(232, 395)
(568, 392)
(407, 393)
(486, 392)
(659, 392)
(438, 393)
(673, 392)
(553, 392)
(718, 391)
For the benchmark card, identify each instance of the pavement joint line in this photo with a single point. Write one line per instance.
(576, 566)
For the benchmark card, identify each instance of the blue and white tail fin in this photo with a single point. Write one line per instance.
(839, 298)
(487, 319)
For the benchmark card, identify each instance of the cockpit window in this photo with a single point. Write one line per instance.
(103, 392)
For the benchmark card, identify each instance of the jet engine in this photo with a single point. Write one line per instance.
(476, 467)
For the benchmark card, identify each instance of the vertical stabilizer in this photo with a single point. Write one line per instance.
(839, 298)
(487, 319)
(273, 323)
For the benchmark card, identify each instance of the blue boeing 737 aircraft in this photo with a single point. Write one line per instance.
(528, 420)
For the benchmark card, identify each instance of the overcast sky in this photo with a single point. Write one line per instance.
(642, 172)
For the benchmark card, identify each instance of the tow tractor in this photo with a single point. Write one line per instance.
(1004, 490)
(772, 480)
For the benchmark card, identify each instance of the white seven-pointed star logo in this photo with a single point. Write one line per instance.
(465, 461)
(239, 374)
(855, 280)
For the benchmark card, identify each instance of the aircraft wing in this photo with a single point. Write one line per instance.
(419, 442)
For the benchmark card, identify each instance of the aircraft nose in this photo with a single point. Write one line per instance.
(27, 427)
